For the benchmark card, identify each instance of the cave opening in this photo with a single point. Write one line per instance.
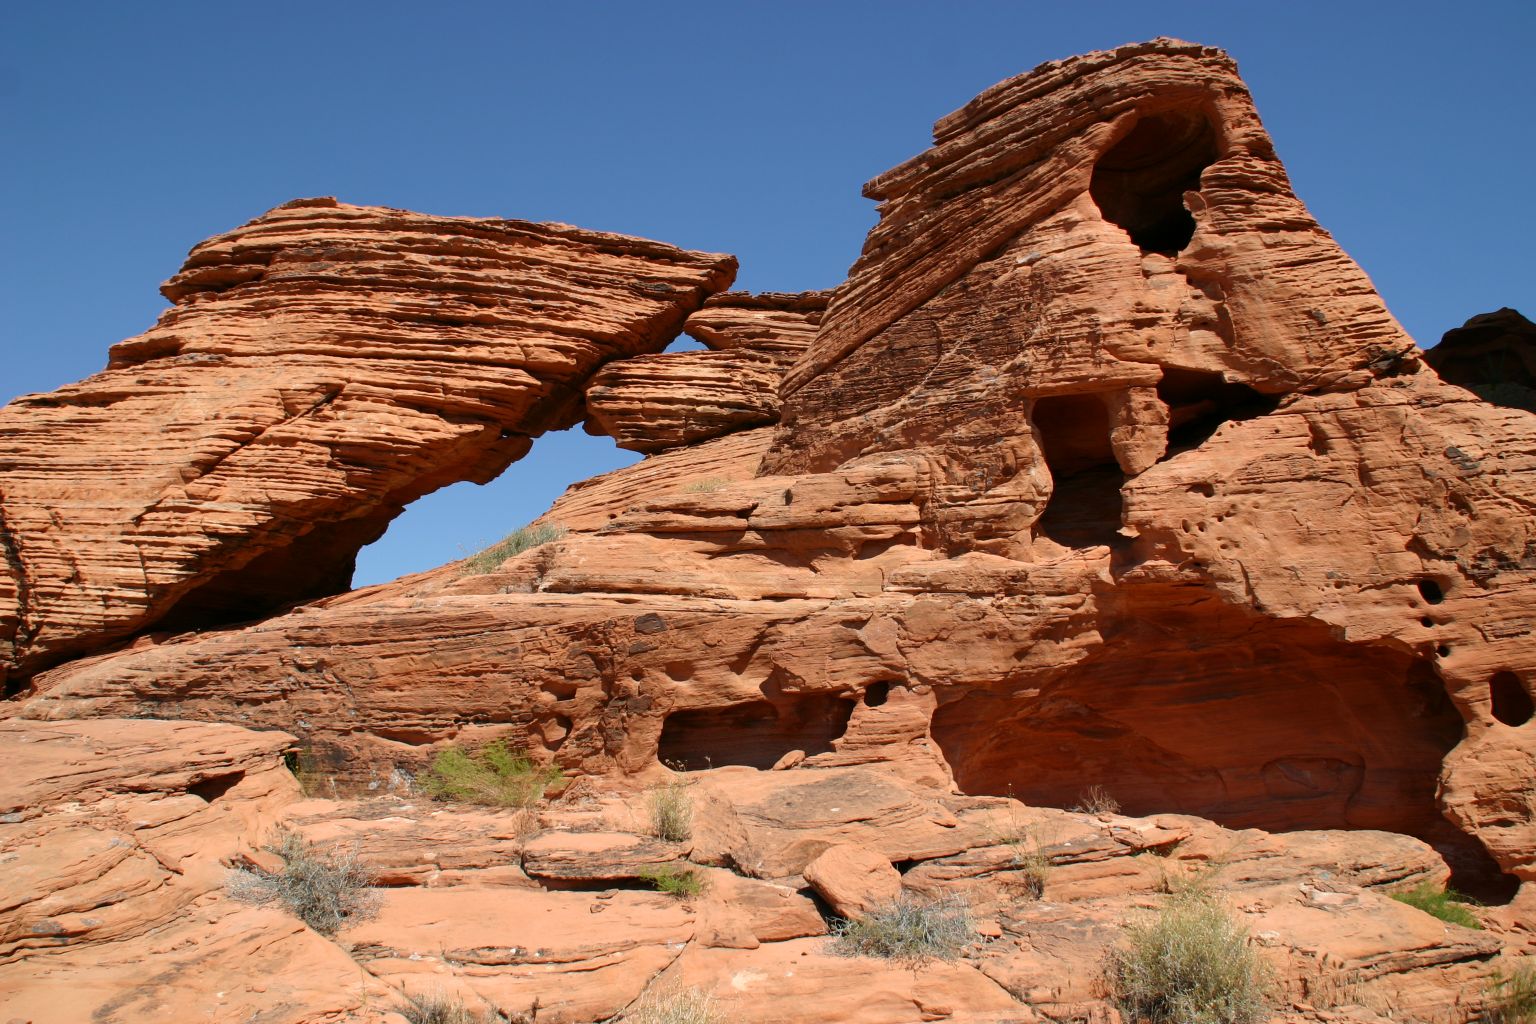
(1084, 509)
(1139, 184)
(1200, 401)
(1198, 707)
(754, 733)
(1512, 704)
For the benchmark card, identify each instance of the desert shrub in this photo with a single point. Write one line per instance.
(678, 1006)
(674, 880)
(1446, 904)
(1512, 996)
(909, 930)
(1096, 800)
(514, 543)
(1191, 964)
(670, 809)
(437, 1008)
(494, 775)
(706, 485)
(1026, 847)
(325, 890)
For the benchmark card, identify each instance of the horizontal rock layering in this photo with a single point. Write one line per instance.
(322, 366)
(1105, 468)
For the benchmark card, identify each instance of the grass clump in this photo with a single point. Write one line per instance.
(674, 880)
(514, 543)
(670, 809)
(494, 775)
(1191, 964)
(437, 1008)
(679, 1006)
(707, 485)
(1446, 904)
(325, 890)
(909, 930)
(1512, 996)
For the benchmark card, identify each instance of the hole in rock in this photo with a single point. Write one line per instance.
(876, 694)
(756, 733)
(1195, 706)
(466, 517)
(1431, 591)
(1199, 401)
(211, 789)
(1084, 508)
(1511, 701)
(683, 343)
(1139, 184)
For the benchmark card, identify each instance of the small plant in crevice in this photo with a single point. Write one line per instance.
(513, 544)
(1511, 997)
(495, 775)
(669, 809)
(1026, 846)
(1096, 800)
(1191, 964)
(1446, 904)
(708, 485)
(909, 930)
(324, 889)
(673, 1006)
(674, 880)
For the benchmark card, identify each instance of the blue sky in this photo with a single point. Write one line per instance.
(132, 131)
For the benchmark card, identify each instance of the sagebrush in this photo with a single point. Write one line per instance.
(677, 1006)
(495, 775)
(910, 930)
(1191, 964)
(670, 809)
(324, 889)
(514, 543)
(437, 1008)
(1446, 904)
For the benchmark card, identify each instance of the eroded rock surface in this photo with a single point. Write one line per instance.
(655, 403)
(1493, 355)
(321, 367)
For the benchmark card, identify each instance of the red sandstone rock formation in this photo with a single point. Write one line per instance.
(323, 366)
(1106, 467)
(655, 403)
(1493, 355)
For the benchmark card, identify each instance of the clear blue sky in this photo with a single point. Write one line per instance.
(133, 130)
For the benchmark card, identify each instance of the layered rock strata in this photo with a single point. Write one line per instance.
(321, 367)
(1106, 467)
(655, 403)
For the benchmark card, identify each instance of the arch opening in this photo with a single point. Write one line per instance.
(1512, 704)
(1139, 184)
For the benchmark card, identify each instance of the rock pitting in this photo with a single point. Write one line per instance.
(1105, 470)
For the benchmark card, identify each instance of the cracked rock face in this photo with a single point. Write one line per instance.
(321, 367)
(1105, 467)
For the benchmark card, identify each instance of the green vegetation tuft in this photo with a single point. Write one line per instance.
(909, 930)
(513, 544)
(494, 775)
(1191, 964)
(1446, 904)
(674, 880)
